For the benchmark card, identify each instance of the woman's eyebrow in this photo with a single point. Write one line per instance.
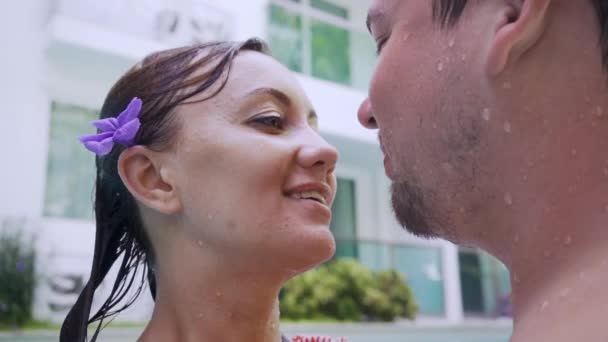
(272, 92)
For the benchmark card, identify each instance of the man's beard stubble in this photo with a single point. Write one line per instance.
(412, 210)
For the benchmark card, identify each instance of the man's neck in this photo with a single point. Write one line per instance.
(559, 275)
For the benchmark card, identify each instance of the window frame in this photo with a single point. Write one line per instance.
(308, 13)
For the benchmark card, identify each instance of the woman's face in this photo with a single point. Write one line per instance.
(255, 178)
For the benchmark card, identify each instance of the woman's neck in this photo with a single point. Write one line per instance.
(213, 302)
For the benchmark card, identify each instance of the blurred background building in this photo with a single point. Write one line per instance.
(59, 59)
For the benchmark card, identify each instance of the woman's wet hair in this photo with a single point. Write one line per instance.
(162, 81)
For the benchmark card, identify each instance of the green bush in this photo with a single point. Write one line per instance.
(17, 277)
(391, 297)
(345, 290)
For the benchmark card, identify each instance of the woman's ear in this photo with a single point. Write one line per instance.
(518, 30)
(149, 180)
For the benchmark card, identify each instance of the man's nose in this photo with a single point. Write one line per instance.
(366, 116)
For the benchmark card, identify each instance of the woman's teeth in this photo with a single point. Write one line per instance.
(313, 195)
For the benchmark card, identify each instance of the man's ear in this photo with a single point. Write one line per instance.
(518, 29)
(148, 180)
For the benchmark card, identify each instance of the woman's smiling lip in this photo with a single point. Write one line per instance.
(315, 191)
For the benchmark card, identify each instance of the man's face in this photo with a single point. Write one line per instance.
(426, 99)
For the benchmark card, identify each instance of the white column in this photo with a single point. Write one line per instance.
(451, 283)
(25, 108)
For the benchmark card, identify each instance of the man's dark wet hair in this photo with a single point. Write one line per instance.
(447, 12)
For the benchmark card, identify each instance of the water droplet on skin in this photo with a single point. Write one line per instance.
(524, 178)
(218, 294)
(462, 210)
(544, 306)
(200, 315)
(516, 238)
(506, 85)
(606, 171)
(486, 114)
(508, 199)
(531, 164)
(599, 111)
(515, 278)
(574, 152)
(447, 167)
(273, 326)
(451, 42)
(564, 293)
(440, 66)
(507, 127)
(200, 243)
(405, 37)
(463, 57)
(567, 240)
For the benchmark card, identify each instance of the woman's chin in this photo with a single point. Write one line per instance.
(309, 253)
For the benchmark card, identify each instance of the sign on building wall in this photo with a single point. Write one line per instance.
(175, 23)
(63, 257)
(63, 277)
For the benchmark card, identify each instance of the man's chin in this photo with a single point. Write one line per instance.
(412, 210)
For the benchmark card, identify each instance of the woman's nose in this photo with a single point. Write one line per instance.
(318, 154)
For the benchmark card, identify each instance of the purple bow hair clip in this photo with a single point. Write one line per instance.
(120, 130)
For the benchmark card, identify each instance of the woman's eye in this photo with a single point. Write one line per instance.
(271, 121)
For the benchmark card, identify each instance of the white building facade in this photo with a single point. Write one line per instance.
(61, 57)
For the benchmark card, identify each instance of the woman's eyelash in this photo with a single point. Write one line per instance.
(272, 121)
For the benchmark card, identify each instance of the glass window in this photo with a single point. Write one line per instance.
(285, 37)
(338, 50)
(421, 267)
(70, 173)
(470, 283)
(372, 254)
(330, 52)
(330, 8)
(485, 285)
(343, 220)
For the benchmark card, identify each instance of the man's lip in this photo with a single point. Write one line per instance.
(322, 188)
(388, 167)
(381, 144)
